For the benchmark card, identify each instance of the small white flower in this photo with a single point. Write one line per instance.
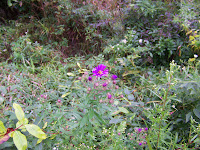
(146, 41)
(124, 41)
(140, 41)
(195, 55)
(112, 47)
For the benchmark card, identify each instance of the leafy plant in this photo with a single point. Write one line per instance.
(168, 105)
(19, 139)
(28, 53)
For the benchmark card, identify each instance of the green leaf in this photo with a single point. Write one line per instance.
(39, 141)
(130, 72)
(84, 121)
(148, 143)
(91, 114)
(20, 140)
(131, 118)
(64, 95)
(35, 131)
(2, 128)
(18, 111)
(197, 112)
(52, 136)
(9, 3)
(45, 125)
(1, 99)
(188, 115)
(79, 65)
(191, 59)
(99, 118)
(70, 74)
(124, 110)
(22, 123)
(121, 127)
(115, 113)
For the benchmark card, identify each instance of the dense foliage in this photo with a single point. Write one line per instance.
(91, 74)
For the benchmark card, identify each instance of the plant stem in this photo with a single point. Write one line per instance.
(162, 114)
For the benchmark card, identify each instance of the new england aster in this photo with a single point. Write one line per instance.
(100, 71)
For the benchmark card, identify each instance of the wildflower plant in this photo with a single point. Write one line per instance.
(95, 98)
(23, 124)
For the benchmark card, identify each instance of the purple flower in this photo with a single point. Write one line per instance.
(105, 84)
(100, 71)
(109, 96)
(139, 130)
(140, 143)
(90, 78)
(114, 77)
(146, 129)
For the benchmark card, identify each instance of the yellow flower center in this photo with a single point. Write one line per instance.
(100, 72)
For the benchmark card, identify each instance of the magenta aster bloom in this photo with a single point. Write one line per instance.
(105, 84)
(100, 71)
(109, 96)
(114, 77)
(90, 78)
(139, 130)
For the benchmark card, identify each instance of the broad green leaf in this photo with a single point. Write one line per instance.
(39, 141)
(18, 111)
(22, 123)
(35, 131)
(197, 112)
(20, 140)
(2, 128)
(124, 110)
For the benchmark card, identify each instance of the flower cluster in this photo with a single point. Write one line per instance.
(140, 136)
(100, 81)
